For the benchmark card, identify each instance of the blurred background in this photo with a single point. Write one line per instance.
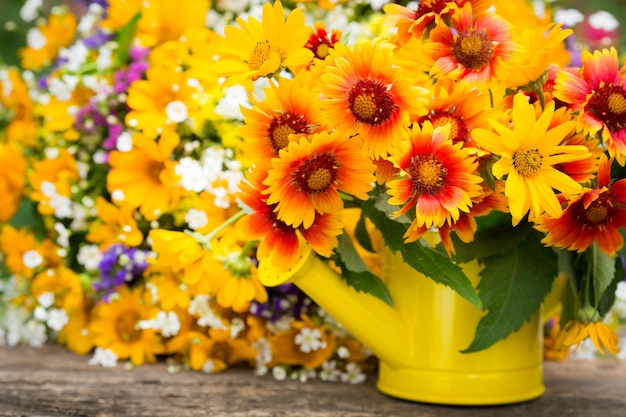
(597, 23)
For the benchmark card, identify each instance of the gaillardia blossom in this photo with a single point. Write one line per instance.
(364, 94)
(437, 178)
(594, 216)
(288, 109)
(278, 240)
(472, 48)
(308, 175)
(598, 92)
(528, 152)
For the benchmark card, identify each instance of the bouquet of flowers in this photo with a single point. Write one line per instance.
(153, 154)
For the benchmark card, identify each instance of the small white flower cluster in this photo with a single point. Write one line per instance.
(17, 325)
(309, 340)
(167, 323)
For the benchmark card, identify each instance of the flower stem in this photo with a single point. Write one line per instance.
(205, 240)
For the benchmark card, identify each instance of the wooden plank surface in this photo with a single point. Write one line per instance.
(51, 381)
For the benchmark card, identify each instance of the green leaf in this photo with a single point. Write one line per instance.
(357, 274)
(28, 217)
(125, 39)
(602, 270)
(512, 287)
(425, 260)
(362, 236)
(490, 241)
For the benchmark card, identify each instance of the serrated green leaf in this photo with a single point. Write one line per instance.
(491, 241)
(362, 236)
(430, 263)
(125, 39)
(602, 270)
(512, 287)
(356, 273)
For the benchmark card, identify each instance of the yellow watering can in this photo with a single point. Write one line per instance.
(418, 340)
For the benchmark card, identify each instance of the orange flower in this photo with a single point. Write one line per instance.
(307, 177)
(114, 225)
(218, 351)
(46, 39)
(598, 92)
(14, 95)
(288, 109)
(304, 344)
(278, 240)
(51, 181)
(11, 180)
(166, 20)
(596, 215)
(602, 336)
(23, 255)
(415, 23)
(437, 178)
(144, 177)
(472, 48)
(364, 94)
(115, 326)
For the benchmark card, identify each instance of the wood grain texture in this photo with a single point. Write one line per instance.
(51, 381)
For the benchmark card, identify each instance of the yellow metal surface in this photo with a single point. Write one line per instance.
(418, 340)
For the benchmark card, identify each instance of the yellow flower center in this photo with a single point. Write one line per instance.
(280, 136)
(473, 50)
(261, 53)
(364, 106)
(453, 122)
(221, 350)
(316, 174)
(125, 327)
(371, 102)
(153, 171)
(284, 125)
(597, 213)
(322, 51)
(319, 180)
(617, 103)
(527, 161)
(428, 175)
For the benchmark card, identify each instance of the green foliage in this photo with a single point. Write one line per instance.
(512, 287)
(125, 39)
(425, 260)
(356, 273)
(601, 270)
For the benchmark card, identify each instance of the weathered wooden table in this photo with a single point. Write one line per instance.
(52, 381)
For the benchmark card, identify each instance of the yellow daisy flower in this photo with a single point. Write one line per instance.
(215, 352)
(115, 326)
(144, 177)
(165, 20)
(23, 255)
(114, 225)
(528, 152)
(262, 48)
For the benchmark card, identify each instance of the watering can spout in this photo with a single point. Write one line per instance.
(376, 324)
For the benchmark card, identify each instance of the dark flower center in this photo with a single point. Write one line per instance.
(609, 105)
(430, 6)
(472, 49)
(599, 212)
(282, 126)
(370, 102)
(125, 327)
(428, 174)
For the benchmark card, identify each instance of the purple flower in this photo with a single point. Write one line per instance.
(96, 40)
(286, 299)
(119, 265)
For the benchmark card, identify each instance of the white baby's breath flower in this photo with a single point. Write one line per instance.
(279, 373)
(603, 20)
(89, 256)
(32, 259)
(46, 299)
(264, 351)
(208, 366)
(34, 333)
(353, 374)
(329, 371)
(309, 340)
(103, 357)
(568, 17)
(196, 219)
(124, 142)
(35, 39)
(176, 111)
(228, 106)
(57, 319)
(30, 10)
